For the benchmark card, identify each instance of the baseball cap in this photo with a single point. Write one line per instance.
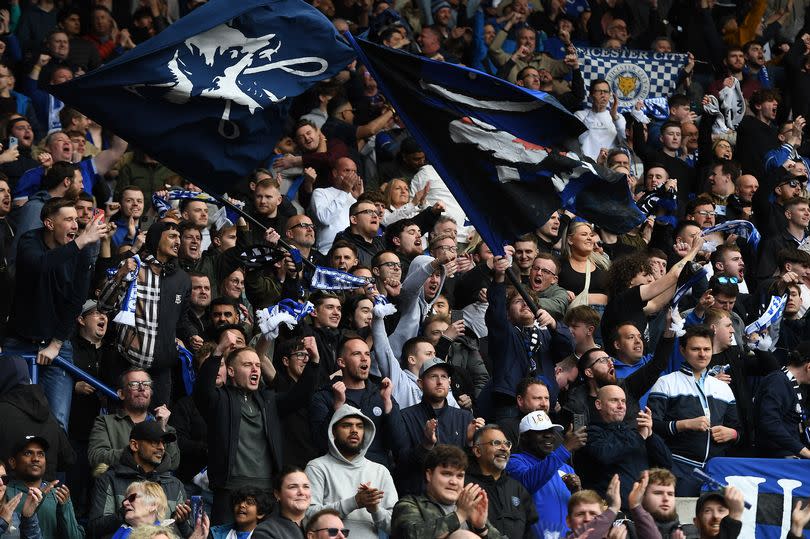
(152, 432)
(537, 420)
(89, 305)
(30, 438)
(707, 497)
(435, 362)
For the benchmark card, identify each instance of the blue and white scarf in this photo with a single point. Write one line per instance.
(332, 279)
(126, 316)
(685, 287)
(382, 307)
(740, 227)
(771, 315)
(286, 311)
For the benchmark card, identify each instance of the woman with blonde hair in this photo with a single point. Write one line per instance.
(145, 504)
(583, 269)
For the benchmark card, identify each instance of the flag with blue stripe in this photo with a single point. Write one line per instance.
(208, 96)
(497, 146)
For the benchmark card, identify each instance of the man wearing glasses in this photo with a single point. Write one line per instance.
(363, 230)
(543, 280)
(109, 437)
(326, 524)
(511, 508)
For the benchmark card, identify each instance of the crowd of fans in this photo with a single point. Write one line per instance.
(434, 401)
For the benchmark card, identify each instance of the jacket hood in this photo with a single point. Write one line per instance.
(13, 372)
(368, 435)
(29, 399)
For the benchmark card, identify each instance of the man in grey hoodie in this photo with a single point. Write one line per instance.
(361, 490)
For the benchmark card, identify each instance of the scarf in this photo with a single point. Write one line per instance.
(286, 311)
(126, 316)
(138, 342)
(804, 423)
(332, 279)
(740, 227)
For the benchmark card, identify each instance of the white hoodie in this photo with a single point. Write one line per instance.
(335, 481)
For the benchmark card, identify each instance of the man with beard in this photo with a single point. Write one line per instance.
(59, 148)
(531, 395)
(270, 208)
(447, 505)
(142, 460)
(360, 490)
(548, 235)
(719, 515)
(55, 513)
(597, 368)
(695, 413)
(543, 278)
(354, 387)
(511, 508)
(20, 128)
(223, 312)
(244, 423)
(64, 180)
(54, 268)
(110, 433)
(404, 237)
(161, 307)
(300, 233)
(430, 421)
(387, 271)
(659, 501)
(540, 466)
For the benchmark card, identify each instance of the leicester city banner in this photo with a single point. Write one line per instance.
(771, 486)
(634, 75)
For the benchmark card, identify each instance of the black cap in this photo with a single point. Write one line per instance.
(152, 432)
(707, 497)
(30, 439)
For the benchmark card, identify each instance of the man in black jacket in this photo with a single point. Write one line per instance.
(614, 447)
(142, 461)
(53, 270)
(511, 508)
(781, 412)
(244, 429)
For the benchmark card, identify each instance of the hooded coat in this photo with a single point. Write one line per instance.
(25, 411)
(335, 479)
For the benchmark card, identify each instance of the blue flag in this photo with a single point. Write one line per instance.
(496, 146)
(208, 96)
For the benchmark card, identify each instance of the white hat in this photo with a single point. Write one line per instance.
(538, 420)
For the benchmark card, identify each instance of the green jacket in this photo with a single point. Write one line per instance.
(110, 436)
(55, 520)
(418, 517)
(554, 299)
(149, 177)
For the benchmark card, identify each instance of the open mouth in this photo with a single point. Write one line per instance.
(364, 367)
(254, 379)
(71, 236)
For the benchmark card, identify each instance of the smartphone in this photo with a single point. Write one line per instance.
(456, 315)
(579, 421)
(98, 213)
(13, 142)
(196, 509)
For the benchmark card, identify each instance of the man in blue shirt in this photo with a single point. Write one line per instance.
(59, 148)
(540, 466)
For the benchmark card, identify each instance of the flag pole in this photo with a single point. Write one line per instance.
(282, 243)
(361, 56)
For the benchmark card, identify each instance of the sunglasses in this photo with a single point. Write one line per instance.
(131, 498)
(4, 479)
(332, 532)
(728, 280)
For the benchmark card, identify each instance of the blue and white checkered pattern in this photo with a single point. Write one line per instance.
(633, 74)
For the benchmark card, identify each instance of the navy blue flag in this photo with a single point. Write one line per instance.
(208, 96)
(496, 146)
(771, 486)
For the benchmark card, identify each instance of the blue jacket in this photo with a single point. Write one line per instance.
(514, 363)
(543, 479)
(452, 430)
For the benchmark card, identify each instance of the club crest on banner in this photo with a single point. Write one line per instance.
(629, 82)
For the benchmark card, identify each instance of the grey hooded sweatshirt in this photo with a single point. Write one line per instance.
(335, 480)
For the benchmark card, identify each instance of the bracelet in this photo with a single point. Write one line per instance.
(477, 531)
